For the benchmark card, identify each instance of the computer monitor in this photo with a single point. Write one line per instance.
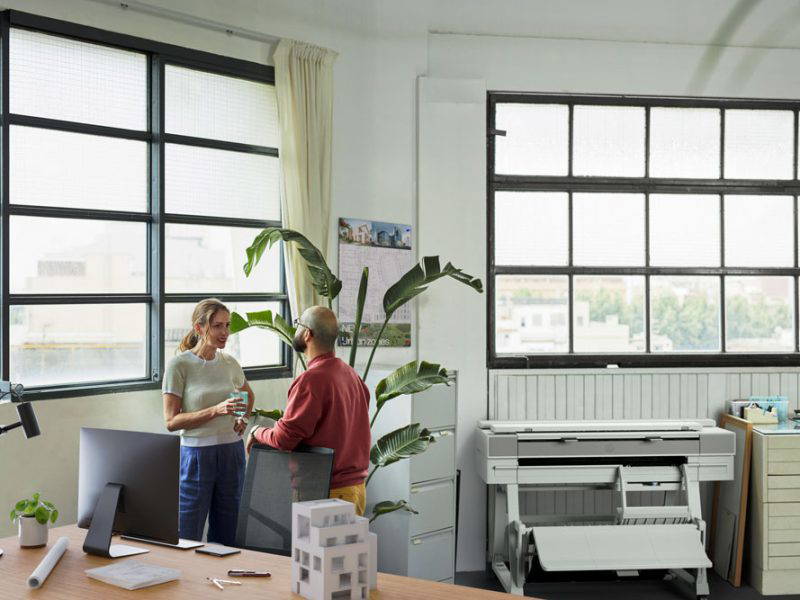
(127, 483)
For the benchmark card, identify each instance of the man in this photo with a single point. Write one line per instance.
(328, 406)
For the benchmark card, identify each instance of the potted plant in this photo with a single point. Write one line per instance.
(33, 515)
(412, 378)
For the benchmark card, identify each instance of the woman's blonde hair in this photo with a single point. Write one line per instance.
(202, 315)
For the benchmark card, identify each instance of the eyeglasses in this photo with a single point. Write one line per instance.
(297, 323)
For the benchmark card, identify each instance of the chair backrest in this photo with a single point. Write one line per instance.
(273, 480)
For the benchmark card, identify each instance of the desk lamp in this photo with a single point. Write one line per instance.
(12, 392)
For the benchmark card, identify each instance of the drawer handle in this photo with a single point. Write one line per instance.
(414, 490)
(568, 440)
(445, 433)
(654, 439)
(416, 542)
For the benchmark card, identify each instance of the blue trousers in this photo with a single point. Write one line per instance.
(211, 486)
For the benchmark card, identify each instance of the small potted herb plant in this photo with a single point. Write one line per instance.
(33, 515)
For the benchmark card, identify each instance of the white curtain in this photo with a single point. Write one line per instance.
(304, 87)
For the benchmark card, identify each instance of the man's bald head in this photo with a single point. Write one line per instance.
(322, 322)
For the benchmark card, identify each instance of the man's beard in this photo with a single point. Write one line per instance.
(298, 343)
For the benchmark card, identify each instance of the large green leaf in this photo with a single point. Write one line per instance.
(414, 282)
(362, 296)
(412, 378)
(323, 280)
(399, 444)
(264, 319)
(387, 506)
(274, 414)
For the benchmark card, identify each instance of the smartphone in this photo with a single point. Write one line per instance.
(217, 550)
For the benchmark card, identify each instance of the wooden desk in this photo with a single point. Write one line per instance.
(67, 580)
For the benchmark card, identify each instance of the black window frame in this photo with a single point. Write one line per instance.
(158, 55)
(644, 185)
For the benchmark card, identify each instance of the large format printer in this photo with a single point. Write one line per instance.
(516, 457)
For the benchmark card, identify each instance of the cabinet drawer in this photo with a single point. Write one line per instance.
(782, 441)
(782, 496)
(783, 523)
(778, 482)
(435, 407)
(784, 455)
(784, 562)
(777, 536)
(784, 549)
(784, 468)
(437, 462)
(436, 505)
(783, 509)
(431, 556)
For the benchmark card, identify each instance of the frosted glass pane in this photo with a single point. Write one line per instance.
(60, 168)
(204, 259)
(60, 78)
(531, 228)
(531, 314)
(759, 314)
(63, 256)
(608, 140)
(83, 343)
(220, 107)
(608, 314)
(684, 230)
(608, 229)
(536, 140)
(684, 142)
(684, 314)
(219, 183)
(759, 144)
(759, 231)
(251, 348)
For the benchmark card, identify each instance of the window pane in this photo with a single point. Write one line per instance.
(684, 230)
(251, 347)
(208, 259)
(759, 144)
(536, 140)
(66, 256)
(759, 231)
(759, 314)
(74, 170)
(608, 314)
(608, 229)
(531, 314)
(684, 142)
(608, 140)
(61, 344)
(531, 228)
(219, 183)
(220, 107)
(685, 314)
(60, 78)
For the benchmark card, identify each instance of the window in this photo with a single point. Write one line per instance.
(642, 231)
(136, 175)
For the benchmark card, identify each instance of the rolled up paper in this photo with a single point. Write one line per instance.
(41, 572)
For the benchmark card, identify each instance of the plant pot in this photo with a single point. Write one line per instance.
(32, 534)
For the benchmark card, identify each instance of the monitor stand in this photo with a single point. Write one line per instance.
(98, 538)
(181, 545)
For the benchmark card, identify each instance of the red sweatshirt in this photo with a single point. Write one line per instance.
(328, 406)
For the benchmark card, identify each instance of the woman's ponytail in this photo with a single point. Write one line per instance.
(189, 341)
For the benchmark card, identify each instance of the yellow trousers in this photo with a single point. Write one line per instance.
(357, 494)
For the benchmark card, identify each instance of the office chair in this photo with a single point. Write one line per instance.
(273, 480)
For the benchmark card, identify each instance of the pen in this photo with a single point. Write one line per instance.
(248, 573)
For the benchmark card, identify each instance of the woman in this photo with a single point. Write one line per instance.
(197, 391)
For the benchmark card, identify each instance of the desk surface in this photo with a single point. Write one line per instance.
(67, 580)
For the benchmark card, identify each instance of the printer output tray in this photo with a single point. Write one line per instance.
(619, 547)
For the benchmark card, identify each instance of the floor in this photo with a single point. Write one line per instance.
(643, 588)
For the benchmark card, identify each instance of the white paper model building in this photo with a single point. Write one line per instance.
(334, 555)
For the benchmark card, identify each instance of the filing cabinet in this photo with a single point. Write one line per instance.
(774, 517)
(419, 545)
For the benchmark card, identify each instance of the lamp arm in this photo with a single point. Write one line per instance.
(4, 428)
